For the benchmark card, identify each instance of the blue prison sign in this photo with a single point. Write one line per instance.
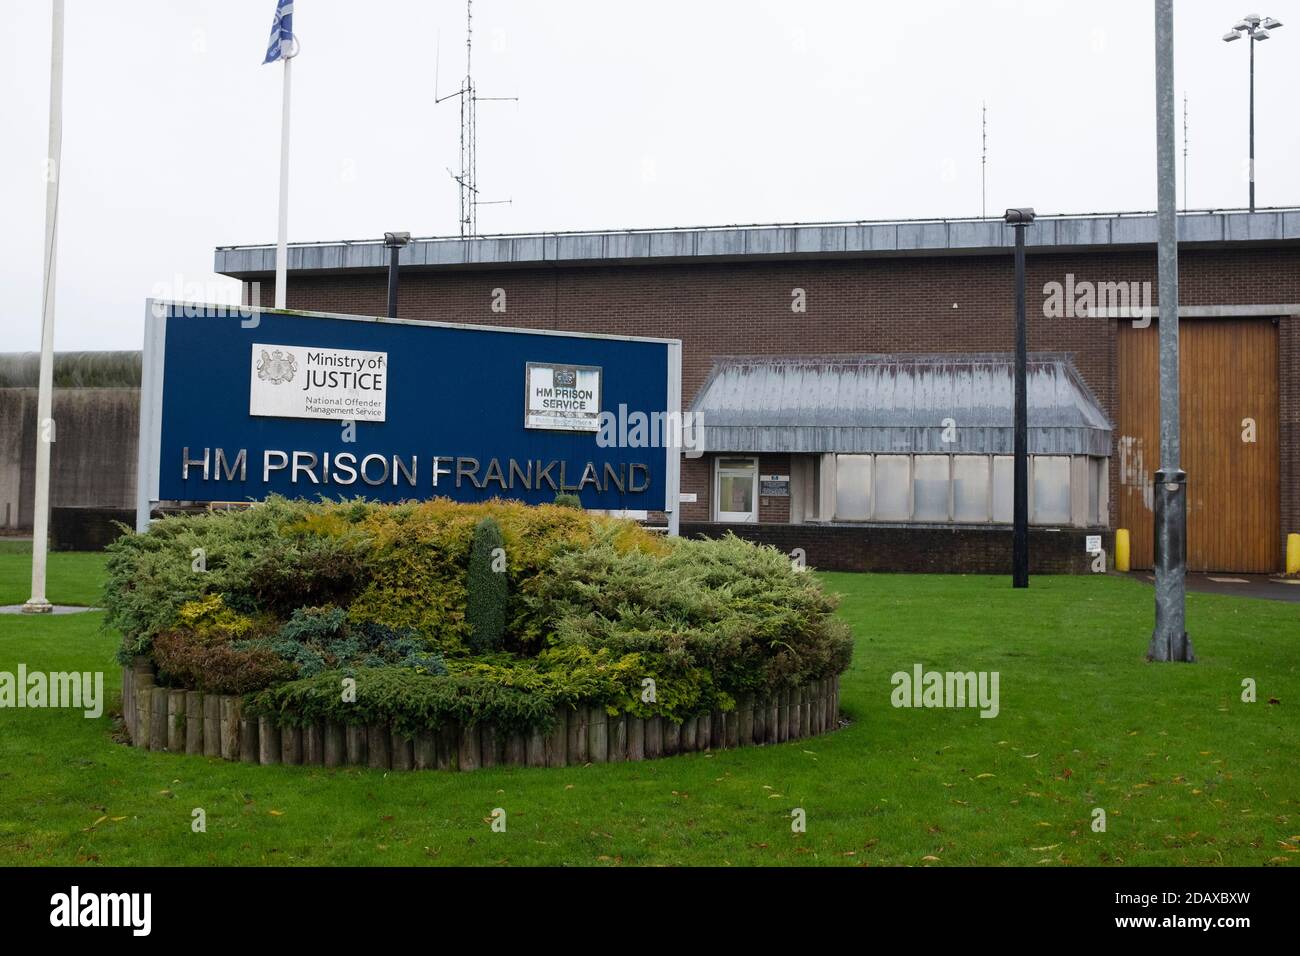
(239, 404)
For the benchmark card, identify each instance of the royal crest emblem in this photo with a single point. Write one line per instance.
(276, 367)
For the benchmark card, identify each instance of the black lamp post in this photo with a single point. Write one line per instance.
(1020, 218)
(394, 241)
(1257, 29)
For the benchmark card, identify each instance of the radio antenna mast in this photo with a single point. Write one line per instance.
(1184, 151)
(467, 178)
(984, 158)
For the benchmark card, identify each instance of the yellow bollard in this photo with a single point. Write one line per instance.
(1293, 554)
(1121, 549)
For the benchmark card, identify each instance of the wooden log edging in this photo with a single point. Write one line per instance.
(213, 725)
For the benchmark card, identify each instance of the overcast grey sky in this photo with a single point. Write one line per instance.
(680, 112)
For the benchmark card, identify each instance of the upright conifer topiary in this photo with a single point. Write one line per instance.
(487, 588)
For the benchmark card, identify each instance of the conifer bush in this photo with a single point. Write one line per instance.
(486, 588)
(471, 612)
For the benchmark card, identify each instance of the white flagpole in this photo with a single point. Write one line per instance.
(282, 239)
(37, 603)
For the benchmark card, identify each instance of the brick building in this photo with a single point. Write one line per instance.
(854, 378)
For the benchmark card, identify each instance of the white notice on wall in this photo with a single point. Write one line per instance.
(562, 397)
(1093, 544)
(296, 381)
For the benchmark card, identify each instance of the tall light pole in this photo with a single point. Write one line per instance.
(1256, 29)
(1019, 219)
(1169, 640)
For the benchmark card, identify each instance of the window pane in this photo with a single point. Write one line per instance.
(1094, 491)
(930, 488)
(892, 490)
(735, 494)
(970, 488)
(733, 463)
(1004, 488)
(853, 487)
(1051, 489)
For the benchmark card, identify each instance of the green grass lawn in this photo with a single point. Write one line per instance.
(73, 577)
(1186, 772)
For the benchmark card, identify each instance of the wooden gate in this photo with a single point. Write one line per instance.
(1229, 379)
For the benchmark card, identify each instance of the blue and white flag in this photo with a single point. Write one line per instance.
(280, 46)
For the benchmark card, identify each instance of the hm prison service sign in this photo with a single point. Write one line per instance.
(308, 405)
(334, 384)
(562, 397)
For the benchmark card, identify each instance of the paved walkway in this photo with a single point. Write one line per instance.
(58, 609)
(1269, 587)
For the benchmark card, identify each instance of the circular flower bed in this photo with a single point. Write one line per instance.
(435, 618)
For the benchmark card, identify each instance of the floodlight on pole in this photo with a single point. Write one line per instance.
(394, 242)
(1257, 29)
(1018, 219)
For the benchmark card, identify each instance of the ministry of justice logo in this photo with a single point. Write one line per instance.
(276, 367)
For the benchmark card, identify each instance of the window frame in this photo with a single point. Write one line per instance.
(735, 517)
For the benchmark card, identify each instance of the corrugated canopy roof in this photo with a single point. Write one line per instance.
(896, 403)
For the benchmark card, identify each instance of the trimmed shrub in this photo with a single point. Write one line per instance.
(213, 664)
(567, 499)
(281, 600)
(487, 589)
(738, 611)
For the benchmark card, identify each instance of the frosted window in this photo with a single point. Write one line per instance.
(893, 497)
(853, 487)
(1004, 488)
(1051, 490)
(735, 493)
(930, 488)
(970, 488)
(1095, 473)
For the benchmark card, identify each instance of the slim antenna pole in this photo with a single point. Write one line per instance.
(984, 159)
(1185, 206)
(467, 178)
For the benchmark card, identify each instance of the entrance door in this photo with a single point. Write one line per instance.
(1229, 394)
(735, 490)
